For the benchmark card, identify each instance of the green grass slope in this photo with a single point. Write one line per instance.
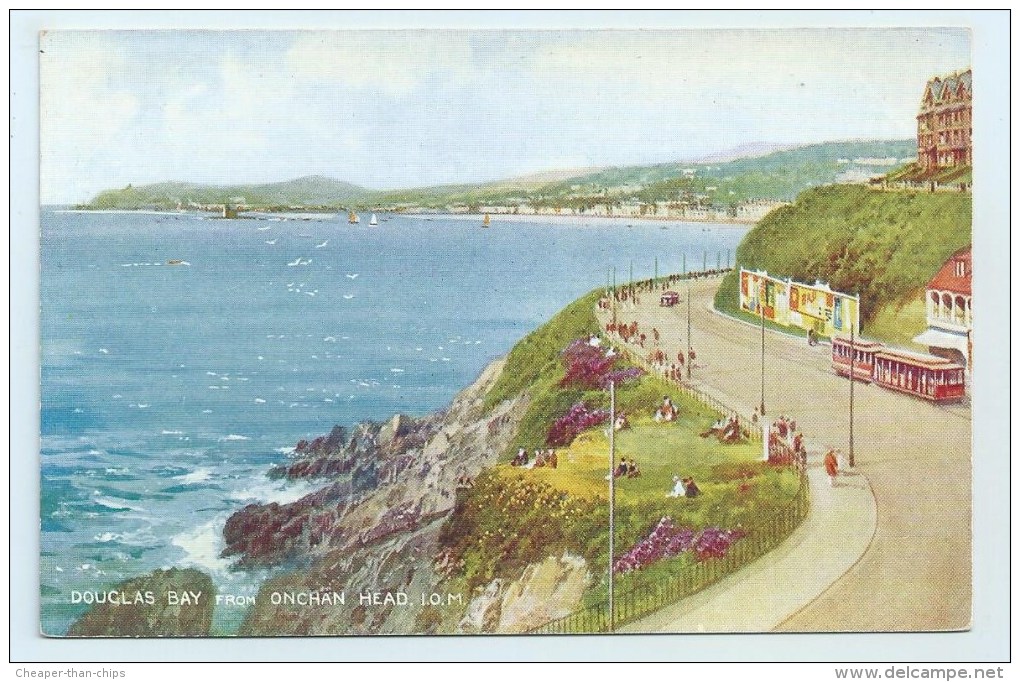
(884, 246)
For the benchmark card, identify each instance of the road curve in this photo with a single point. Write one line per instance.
(916, 573)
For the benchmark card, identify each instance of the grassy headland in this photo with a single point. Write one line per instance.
(513, 516)
(884, 246)
(308, 192)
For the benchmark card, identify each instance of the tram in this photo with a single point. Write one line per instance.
(864, 357)
(925, 376)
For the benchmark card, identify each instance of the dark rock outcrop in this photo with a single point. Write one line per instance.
(372, 455)
(385, 539)
(170, 613)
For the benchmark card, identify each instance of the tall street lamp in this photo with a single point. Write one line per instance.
(761, 311)
(687, 276)
(612, 499)
(853, 352)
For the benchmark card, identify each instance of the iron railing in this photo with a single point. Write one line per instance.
(643, 599)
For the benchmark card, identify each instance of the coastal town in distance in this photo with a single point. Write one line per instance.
(335, 341)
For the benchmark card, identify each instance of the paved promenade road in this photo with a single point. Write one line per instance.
(916, 573)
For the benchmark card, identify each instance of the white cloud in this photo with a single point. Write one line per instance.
(81, 110)
(761, 63)
(394, 62)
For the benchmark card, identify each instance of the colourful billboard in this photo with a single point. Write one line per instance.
(794, 304)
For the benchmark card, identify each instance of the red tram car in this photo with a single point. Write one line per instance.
(864, 357)
(925, 376)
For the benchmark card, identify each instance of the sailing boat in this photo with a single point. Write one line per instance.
(485, 220)
(373, 221)
(352, 218)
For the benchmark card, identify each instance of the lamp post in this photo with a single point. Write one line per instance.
(614, 295)
(612, 498)
(688, 278)
(630, 285)
(761, 310)
(853, 352)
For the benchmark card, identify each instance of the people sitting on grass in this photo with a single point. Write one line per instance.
(633, 471)
(731, 432)
(520, 459)
(545, 458)
(621, 422)
(667, 412)
(728, 431)
(627, 468)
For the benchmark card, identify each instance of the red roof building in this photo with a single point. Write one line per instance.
(949, 313)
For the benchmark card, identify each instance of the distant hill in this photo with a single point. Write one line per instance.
(744, 151)
(313, 190)
(755, 171)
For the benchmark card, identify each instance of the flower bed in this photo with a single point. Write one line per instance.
(667, 540)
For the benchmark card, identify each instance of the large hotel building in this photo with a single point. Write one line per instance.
(944, 122)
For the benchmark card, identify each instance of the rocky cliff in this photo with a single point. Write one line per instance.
(375, 529)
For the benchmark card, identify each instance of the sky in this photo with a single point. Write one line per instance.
(388, 108)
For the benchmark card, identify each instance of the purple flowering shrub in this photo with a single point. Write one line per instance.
(580, 417)
(713, 543)
(667, 540)
(587, 367)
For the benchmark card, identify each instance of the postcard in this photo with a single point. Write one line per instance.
(505, 332)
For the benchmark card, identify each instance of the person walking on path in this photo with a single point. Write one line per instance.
(831, 466)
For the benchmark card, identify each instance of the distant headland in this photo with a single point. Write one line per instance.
(739, 186)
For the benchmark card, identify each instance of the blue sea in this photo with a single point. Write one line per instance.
(168, 390)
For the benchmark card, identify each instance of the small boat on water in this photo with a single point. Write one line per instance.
(175, 261)
(485, 220)
(352, 218)
(373, 221)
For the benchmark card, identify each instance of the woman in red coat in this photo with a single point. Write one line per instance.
(831, 466)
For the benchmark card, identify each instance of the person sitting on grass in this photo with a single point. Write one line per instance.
(667, 412)
(731, 432)
(716, 429)
(691, 488)
(621, 422)
(633, 471)
(539, 459)
(621, 469)
(679, 489)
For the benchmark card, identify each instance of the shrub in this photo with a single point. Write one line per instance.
(580, 417)
(588, 367)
